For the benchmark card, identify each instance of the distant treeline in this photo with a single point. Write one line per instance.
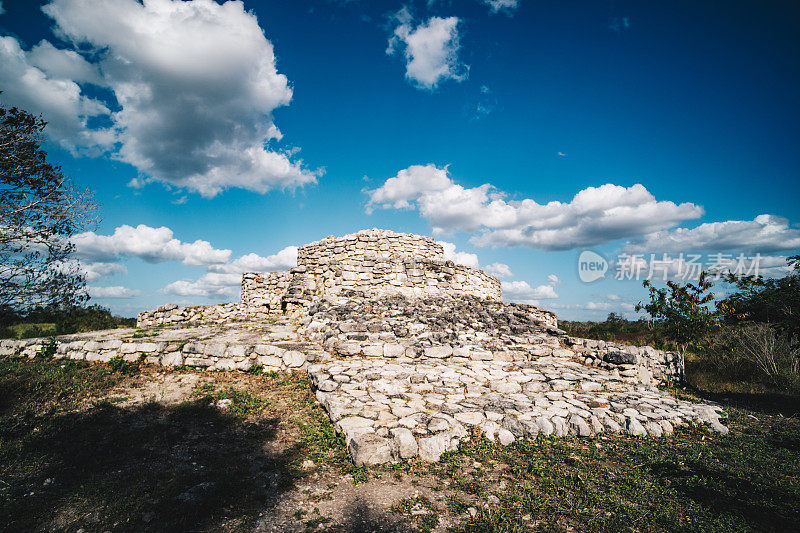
(56, 320)
(746, 341)
(617, 329)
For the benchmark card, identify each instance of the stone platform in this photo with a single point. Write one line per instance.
(406, 351)
(274, 347)
(401, 409)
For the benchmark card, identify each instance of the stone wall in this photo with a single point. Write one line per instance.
(370, 243)
(262, 293)
(645, 360)
(409, 277)
(468, 329)
(376, 261)
(174, 314)
(209, 355)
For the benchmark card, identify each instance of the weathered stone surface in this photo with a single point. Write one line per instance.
(438, 351)
(621, 358)
(405, 349)
(370, 449)
(431, 448)
(579, 427)
(405, 445)
(294, 359)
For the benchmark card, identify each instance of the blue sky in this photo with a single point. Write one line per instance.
(522, 132)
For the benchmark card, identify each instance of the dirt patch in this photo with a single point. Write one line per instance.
(162, 388)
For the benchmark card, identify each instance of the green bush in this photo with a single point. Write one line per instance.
(48, 349)
(118, 364)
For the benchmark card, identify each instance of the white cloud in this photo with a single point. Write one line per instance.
(500, 270)
(112, 292)
(553, 280)
(461, 258)
(522, 292)
(225, 280)
(153, 245)
(410, 184)
(212, 284)
(283, 260)
(96, 270)
(430, 49)
(596, 215)
(613, 297)
(196, 81)
(486, 104)
(507, 6)
(63, 64)
(598, 306)
(765, 233)
(58, 100)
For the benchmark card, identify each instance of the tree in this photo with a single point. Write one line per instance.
(682, 311)
(774, 301)
(39, 211)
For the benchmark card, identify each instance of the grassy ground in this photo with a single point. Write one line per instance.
(68, 460)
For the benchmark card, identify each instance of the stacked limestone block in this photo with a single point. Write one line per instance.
(172, 314)
(373, 243)
(467, 328)
(262, 292)
(397, 409)
(376, 261)
(661, 365)
(211, 355)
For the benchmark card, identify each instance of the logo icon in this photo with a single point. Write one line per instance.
(591, 266)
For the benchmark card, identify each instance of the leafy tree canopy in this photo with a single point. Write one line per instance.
(39, 211)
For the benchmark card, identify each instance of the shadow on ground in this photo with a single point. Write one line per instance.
(150, 468)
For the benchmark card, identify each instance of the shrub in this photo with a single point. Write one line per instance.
(759, 344)
(48, 349)
(118, 364)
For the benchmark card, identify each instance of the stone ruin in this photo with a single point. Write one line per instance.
(406, 351)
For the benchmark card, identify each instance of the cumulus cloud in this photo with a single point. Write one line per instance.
(96, 270)
(283, 260)
(61, 64)
(212, 284)
(430, 49)
(595, 215)
(506, 6)
(595, 306)
(410, 184)
(154, 245)
(225, 280)
(462, 258)
(500, 270)
(112, 292)
(195, 85)
(56, 98)
(765, 234)
(522, 292)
